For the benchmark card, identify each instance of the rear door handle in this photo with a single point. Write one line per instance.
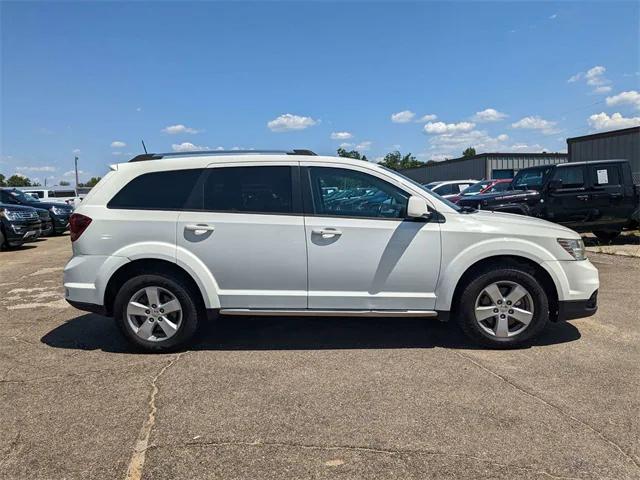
(200, 228)
(582, 197)
(326, 232)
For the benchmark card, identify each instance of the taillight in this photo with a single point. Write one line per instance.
(78, 223)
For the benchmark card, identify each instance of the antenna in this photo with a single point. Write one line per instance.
(144, 146)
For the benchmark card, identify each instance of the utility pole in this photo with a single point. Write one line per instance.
(76, 164)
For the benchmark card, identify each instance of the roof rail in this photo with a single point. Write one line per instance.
(157, 156)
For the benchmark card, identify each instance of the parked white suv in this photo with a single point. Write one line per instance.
(165, 240)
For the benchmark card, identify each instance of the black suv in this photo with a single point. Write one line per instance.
(59, 212)
(18, 225)
(597, 197)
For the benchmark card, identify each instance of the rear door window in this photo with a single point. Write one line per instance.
(265, 189)
(605, 175)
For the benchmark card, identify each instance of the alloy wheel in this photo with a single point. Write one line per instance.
(504, 309)
(154, 314)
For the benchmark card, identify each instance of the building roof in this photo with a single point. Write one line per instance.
(494, 154)
(612, 133)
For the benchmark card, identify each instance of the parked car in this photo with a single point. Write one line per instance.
(18, 224)
(56, 194)
(59, 212)
(46, 224)
(483, 186)
(597, 197)
(450, 187)
(165, 242)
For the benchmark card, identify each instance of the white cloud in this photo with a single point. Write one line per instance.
(489, 115)
(594, 77)
(366, 145)
(72, 173)
(441, 127)
(341, 135)
(346, 145)
(179, 128)
(631, 97)
(553, 17)
(118, 144)
(602, 121)
(535, 148)
(75, 151)
(289, 122)
(536, 123)
(450, 145)
(138, 109)
(45, 168)
(404, 116)
(187, 147)
(427, 118)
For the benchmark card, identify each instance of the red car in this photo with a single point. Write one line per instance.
(483, 186)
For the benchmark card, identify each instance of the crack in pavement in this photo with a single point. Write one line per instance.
(383, 451)
(563, 413)
(136, 463)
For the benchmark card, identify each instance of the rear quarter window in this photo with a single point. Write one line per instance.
(168, 190)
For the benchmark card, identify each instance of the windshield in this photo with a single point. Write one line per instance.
(20, 196)
(500, 187)
(475, 188)
(531, 178)
(424, 188)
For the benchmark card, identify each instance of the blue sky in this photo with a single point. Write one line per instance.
(429, 78)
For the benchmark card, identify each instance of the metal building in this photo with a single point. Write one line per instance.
(617, 144)
(482, 166)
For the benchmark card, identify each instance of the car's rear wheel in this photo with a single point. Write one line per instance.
(503, 308)
(156, 313)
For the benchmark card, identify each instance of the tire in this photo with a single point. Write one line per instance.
(475, 297)
(2, 242)
(607, 236)
(158, 330)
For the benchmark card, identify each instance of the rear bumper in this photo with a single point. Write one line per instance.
(572, 309)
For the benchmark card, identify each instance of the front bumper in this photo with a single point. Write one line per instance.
(571, 309)
(17, 233)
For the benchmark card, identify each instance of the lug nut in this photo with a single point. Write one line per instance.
(151, 319)
(159, 319)
(510, 311)
(495, 310)
(499, 302)
(147, 312)
(508, 302)
(153, 306)
(162, 310)
(501, 316)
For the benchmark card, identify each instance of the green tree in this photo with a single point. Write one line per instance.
(18, 181)
(351, 154)
(3, 180)
(64, 183)
(91, 183)
(397, 161)
(469, 152)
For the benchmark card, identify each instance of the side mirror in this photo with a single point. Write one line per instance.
(554, 184)
(417, 207)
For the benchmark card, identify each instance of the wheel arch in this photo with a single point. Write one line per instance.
(147, 266)
(537, 270)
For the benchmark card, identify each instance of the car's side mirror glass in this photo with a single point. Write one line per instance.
(417, 207)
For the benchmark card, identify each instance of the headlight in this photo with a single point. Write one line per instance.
(60, 211)
(574, 247)
(9, 214)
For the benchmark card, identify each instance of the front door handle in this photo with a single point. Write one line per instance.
(582, 197)
(326, 232)
(199, 228)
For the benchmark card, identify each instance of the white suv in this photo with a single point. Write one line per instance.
(166, 242)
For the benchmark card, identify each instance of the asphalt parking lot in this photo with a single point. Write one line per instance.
(312, 398)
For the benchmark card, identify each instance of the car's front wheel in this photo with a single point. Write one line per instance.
(156, 313)
(503, 308)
